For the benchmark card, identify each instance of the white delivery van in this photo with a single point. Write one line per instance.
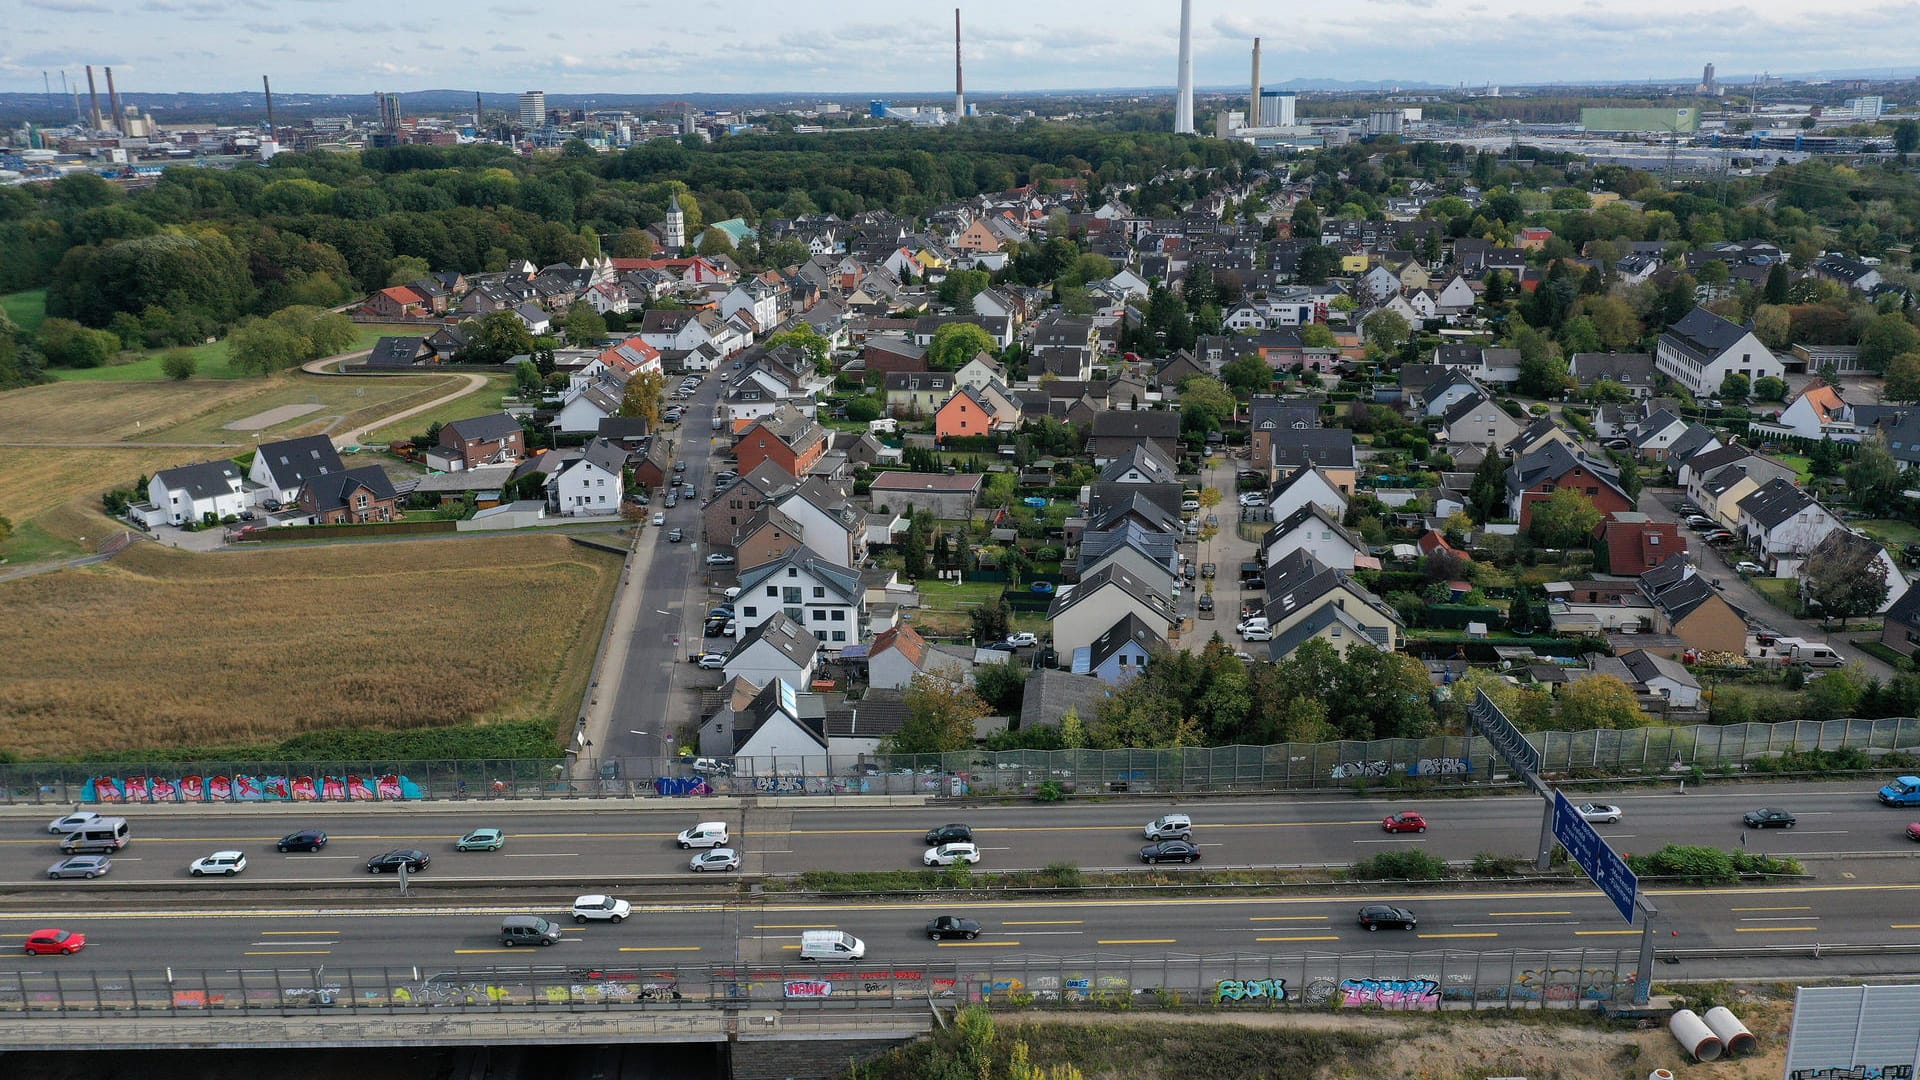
(97, 837)
(707, 834)
(1814, 655)
(830, 945)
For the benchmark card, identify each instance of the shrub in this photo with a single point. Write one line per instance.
(1400, 866)
(179, 365)
(1692, 863)
(1487, 864)
(1051, 791)
(1065, 875)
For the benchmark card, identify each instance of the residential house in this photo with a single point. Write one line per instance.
(1780, 524)
(1318, 533)
(1690, 609)
(1121, 653)
(399, 352)
(592, 483)
(951, 497)
(1652, 437)
(786, 438)
(773, 736)
(1305, 485)
(280, 469)
(779, 649)
(1852, 273)
(478, 440)
(1149, 554)
(1456, 297)
(979, 372)
(916, 393)
(764, 535)
(352, 496)
(900, 653)
(1538, 432)
(1819, 412)
(1535, 478)
(1718, 491)
(1702, 349)
(191, 494)
(1634, 543)
(1082, 613)
(1648, 674)
(734, 502)
(1329, 450)
(1306, 599)
(1901, 629)
(1844, 547)
(664, 329)
(1634, 371)
(1440, 393)
(398, 302)
(534, 318)
(1478, 420)
(1115, 432)
(828, 522)
(972, 413)
(826, 598)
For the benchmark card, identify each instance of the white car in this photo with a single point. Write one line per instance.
(948, 854)
(659, 518)
(1253, 498)
(1603, 813)
(717, 859)
(713, 661)
(1169, 827)
(598, 906)
(1023, 639)
(708, 834)
(1256, 633)
(72, 822)
(226, 863)
(1750, 568)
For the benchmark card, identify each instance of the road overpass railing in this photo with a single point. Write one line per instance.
(1445, 760)
(1389, 980)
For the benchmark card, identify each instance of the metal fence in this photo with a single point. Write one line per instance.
(1446, 760)
(1410, 981)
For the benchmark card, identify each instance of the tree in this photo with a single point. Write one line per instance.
(1775, 290)
(645, 391)
(582, 325)
(1600, 701)
(1579, 335)
(955, 343)
(1886, 337)
(1487, 494)
(1316, 264)
(68, 344)
(1001, 686)
(808, 340)
(991, 622)
(497, 338)
(1735, 387)
(1566, 519)
(179, 365)
(1824, 458)
(1317, 336)
(262, 347)
(963, 285)
(527, 381)
(1773, 325)
(940, 716)
(1614, 320)
(1903, 378)
(1844, 580)
(715, 241)
(1874, 476)
(1387, 330)
(864, 408)
(1769, 388)
(407, 268)
(1248, 374)
(1205, 404)
(633, 243)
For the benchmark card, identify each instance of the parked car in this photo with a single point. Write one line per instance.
(719, 558)
(600, 908)
(1768, 817)
(1699, 521)
(949, 834)
(676, 536)
(952, 926)
(659, 517)
(717, 766)
(72, 822)
(53, 940)
(1022, 640)
(1719, 537)
(1604, 813)
(1256, 633)
(1169, 827)
(1208, 569)
(716, 859)
(1179, 851)
(713, 661)
(304, 840)
(1375, 916)
(81, 866)
(679, 466)
(413, 859)
(224, 863)
(1206, 601)
(1404, 821)
(672, 501)
(481, 840)
(948, 854)
(1750, 568)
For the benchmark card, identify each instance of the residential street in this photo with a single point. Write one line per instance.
(1227, 550)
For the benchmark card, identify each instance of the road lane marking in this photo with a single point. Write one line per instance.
(292, 952)
(1567, 922)
(1286, 918)
(1395, 840)
(1771, 929)
(1135, 941)
(1054, 933)
(1780, 918)
(289, 933)
(1805, 908)
(659, 948)
(1475, 934)
(1375, 822)
(1529, 913)
(1045, 922)
(793, 926)
(1604, 933)
(1317, 937)
(1904, 926)
(480, 952)
(975, 944)
(542, 855)
(327, 941)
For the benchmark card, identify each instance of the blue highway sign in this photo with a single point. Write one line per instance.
(1592, 854)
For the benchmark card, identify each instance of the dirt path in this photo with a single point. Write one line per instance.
(473, 382)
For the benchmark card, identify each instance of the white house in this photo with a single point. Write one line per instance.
(281, 468)
(826, 598)
(586, 405)
(1861, 551)
(829, 524)
(756, 298)
(591, 483)
(979, 372)
(666, 330)
(778, 649)
(1080, 615)
(1781, 524)
(537, 321)
(1313, 530)
(1702, 349)
(773, 738)
(191, 492)
(1305, 485)
(900, 653)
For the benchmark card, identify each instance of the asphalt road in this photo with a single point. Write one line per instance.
(579, 846)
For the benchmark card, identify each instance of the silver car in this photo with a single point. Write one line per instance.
(82, 866)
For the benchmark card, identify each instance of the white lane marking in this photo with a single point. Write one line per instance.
(1394, 840)
(545, 855)
(1043, 933)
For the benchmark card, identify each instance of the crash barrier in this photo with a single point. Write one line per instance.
(1381, 980)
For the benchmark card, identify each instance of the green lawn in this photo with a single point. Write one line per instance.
(31, 544)
(1798, 463)
(26, 309)
(1782, 593)
(485, 400)
(1889, 532)
(214, 362)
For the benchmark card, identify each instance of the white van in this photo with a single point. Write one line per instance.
(96, 837)
(1815, 656)
(830, 945)
(705, 834)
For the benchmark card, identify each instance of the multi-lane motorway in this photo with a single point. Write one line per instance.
(148, 911)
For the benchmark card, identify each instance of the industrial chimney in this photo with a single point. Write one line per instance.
(266, 87)
(93, 99)
(959, 84)
(113, 102)
(1253, 103)
(1183, 90)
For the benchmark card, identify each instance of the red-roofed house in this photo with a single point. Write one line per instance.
(1635, 544)
(1432, 543)
(396, 302)
(1819, 410)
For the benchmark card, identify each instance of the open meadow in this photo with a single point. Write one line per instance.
(161, 648)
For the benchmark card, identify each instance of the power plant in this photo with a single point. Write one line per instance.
(1183, 90)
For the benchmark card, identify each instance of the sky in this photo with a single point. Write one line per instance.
(862, 46)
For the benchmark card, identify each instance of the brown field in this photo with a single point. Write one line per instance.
(164, 648)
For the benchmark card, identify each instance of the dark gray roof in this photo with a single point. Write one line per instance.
(785, 635)
(844, 583)
(1774, 502)
(202, 480)
(1051, 692)
(489, 428)
(1136, 424)
(1627, 369)
(1112, 576)
(1705, 334)
(1296, 580)
(1690, 441)
(394, 352)
(1148, 458)
(1157, 546)
(1130, 629)
(1329, 448)
(335, 491)
(291, 462)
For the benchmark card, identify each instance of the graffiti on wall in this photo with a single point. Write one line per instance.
(681, 785)
(1252, 989)
(1440, 766)
(1352, 770)
(243, 788)
(1566, 984)
(1858, 1072)
(1390, 993)
(807, 988)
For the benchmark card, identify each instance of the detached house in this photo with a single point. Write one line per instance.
(1477, 420)
(1690, 609)
(1702, 349)
(1307, 599)
(592, 483)
(786, 438)
(353, 496)
(1847, 548)
(1330, 450)
(1781, 524)
(1318, 533)
(1534, 478)
(281, 469)
(1082, 614)
(971, 413)
(1116, 432)
(478, 440)
(826, 598)
(1121, 653)
(779, 649)
(899, 654)
(196, 493)
(917, 393)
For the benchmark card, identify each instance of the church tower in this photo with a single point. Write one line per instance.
(676, 226)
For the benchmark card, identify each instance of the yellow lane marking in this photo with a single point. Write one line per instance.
(1529, 912)
(1324, 937)
(1045, 922)
(1486, 933)
(1773, 929)
(1804, 908)
(1605, 933)
(291, 952)
(334, 838)
(1135, 941)
(1287, 918)
(660, 948)
(1895, 926)
(791, 948)
(976, 944)
(13, 935)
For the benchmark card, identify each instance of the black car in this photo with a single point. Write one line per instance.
(304, 840)
(1768, 818)
(1179, 851)
(414, 860)
(949, 834)
(1375, 916)
(952, 926)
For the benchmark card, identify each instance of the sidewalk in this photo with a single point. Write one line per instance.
(596, 716)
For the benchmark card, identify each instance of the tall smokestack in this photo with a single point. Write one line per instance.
(478, 118)
(93, 99)
(113, 102)
(266, 87)
(959, 84)
(1253, 103)
(1183, 91)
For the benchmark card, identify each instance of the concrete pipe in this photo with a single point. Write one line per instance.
(1660, 1074)
(1731, 1031)
(1694, 1036)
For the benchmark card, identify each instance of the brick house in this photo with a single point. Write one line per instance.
(1635, 543)
(398, 302)
(356, 496)
(786, 438)
(1534, 478)
(478, 440)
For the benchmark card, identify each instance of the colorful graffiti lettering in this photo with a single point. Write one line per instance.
(681, 785)
(779, 784)
(1858, 1072)
(1348, 770)
(1440, 766)
(1249, 989)
(195, 788)
(1390, 993)
(807, 988)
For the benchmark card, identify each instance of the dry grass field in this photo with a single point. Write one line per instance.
(164, 648)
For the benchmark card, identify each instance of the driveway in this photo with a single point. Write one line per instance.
(1662, 504)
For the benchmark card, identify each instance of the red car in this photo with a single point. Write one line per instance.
(1913, 831)
(49, 941)
(1404, 821)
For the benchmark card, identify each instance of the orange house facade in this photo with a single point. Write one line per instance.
(968, 414)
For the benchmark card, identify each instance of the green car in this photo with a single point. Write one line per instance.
(481, 840)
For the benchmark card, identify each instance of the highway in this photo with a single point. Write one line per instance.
(549, 846)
